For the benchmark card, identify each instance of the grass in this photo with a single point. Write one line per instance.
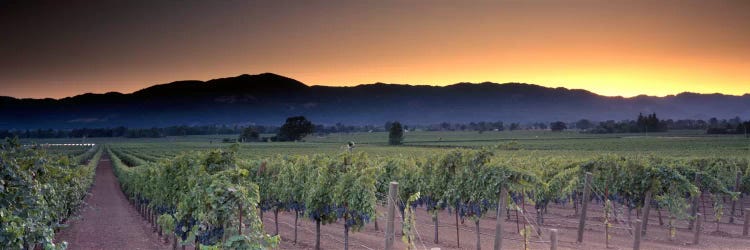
(684, 144)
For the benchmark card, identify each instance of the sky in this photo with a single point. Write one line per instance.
(610, 47)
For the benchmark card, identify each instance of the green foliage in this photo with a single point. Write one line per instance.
(515, 174)
(354, 190)
(330, 187)
(319, 190)
(289, 187)
(404, 170)
(341, 187)
(436, 183)
(166, 221)
(37, 192)
(410, 222)
(201, 192)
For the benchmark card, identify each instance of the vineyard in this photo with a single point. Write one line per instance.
(464, 195)
(350, 190)
(40, 190)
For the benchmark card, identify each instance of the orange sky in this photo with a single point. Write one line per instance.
(609, 47)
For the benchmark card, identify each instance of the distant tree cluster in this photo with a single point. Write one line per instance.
(650, 123)
(558, 126)
(584, 124)
(471, 126)
(343, 128)
(611, 126)
(731, 126)
(298, 127)
(488, 126)
(643, 124)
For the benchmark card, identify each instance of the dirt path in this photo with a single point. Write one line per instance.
(108, 221)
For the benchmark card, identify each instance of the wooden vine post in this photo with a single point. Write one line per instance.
(502, 198)
(346, 233)
(734, 202)
(276, 221)
(694, 207)
(585, 199)
(553, 239)
(479, 241)
(458, 237)
(607, 208)
(296, 217)
(698, 228)
(637, 234)
(435, 222)
(389, 231)
(646, 209)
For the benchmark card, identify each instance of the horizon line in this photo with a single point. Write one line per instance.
(391, 83)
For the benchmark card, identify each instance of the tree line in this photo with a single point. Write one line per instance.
(651, 123)
(642, 124)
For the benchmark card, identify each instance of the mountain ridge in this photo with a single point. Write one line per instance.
(269, 98)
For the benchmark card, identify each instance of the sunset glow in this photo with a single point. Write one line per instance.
(611, 48)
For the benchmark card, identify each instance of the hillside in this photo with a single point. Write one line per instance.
(269, 98)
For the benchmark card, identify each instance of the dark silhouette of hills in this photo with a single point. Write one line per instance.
(269, 98)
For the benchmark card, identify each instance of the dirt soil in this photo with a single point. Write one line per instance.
(558, 217)
(108, 221)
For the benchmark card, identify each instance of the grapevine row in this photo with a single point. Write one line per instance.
(39, 191)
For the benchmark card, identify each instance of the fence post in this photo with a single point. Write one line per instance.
(646, 210)
(389, 232)
(734, 202)
(694, 207)
(698, 228)
(585, 199)
(503, 196)
(553, 239)
(637, 234)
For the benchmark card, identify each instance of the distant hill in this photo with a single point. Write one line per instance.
(269, 98)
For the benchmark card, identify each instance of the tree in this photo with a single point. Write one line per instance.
(514, 126)
(295, 128)
(583, 124)
(396, 134)
(558, 126)
(388, 125)
(249, 134)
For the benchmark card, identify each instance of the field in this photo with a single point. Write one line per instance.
(548, 165)
(684, 144)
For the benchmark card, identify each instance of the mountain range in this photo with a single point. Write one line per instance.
(268, 99)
